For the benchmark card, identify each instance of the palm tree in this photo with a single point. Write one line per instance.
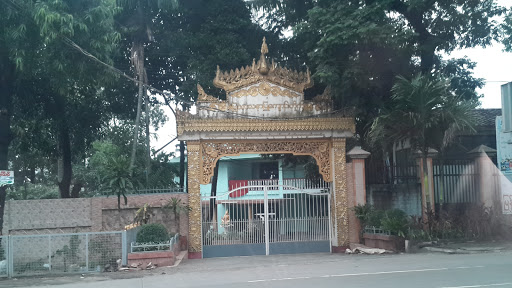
(425, 111)
(177, 207)
(117, 178)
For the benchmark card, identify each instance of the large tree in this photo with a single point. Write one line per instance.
(54, 76)
(359, 47)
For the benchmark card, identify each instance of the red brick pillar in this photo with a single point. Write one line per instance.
(357, 191)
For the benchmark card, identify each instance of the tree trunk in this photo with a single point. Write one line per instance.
(427, 54)
(75, 192)
(7, 74)
(214, 190)
(138, 63)
(148, 148)
(65, 152)
(182, 164)
(32, 174)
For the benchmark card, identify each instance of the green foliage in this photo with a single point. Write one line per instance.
(375, 218)
(152, 233)
(71, 253)
(31, 191)
(423, 110)
(363, 213)
(176, 206)
(116, 144)
(359, 47)
(396, 221)
(117, 178)
(467, 221)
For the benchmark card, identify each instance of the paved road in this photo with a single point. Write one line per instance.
(313, 270)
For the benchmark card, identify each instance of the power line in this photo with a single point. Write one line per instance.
(72, 44)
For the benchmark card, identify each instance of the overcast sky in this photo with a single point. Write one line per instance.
(493, 65)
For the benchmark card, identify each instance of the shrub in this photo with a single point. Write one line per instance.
(363, 213)
(375, 218)
(154, 233)
(395, 220)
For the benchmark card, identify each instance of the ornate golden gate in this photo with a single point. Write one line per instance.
(265, 113)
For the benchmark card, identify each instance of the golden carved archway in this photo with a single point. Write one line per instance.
(265, 113)
(212, 151)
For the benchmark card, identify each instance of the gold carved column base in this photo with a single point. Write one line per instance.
(339, 199)
(194, 199)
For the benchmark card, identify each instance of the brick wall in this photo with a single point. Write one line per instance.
(68, 215)
(86, 214)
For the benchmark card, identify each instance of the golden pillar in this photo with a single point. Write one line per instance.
(340, 199)
(194, 198)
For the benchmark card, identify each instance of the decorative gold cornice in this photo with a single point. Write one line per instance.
(265, 90)
(203, 97)
(262, 71)
(188, 124)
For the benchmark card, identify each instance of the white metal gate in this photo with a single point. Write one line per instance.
(266, 219)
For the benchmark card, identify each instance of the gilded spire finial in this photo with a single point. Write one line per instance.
(262, 69)
(264, 47)
(262, 63)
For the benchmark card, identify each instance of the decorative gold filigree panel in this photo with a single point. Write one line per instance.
(194, 195)
(188, 123)
(340, 191)
(211, 152)
(264, 89)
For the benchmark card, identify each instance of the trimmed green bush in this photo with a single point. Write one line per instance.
(396, 221)
(375, 218)
(153, 233)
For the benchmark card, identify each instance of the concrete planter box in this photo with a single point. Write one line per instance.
(382, 241)
(157, 258)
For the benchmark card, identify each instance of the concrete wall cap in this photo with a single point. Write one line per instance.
(358, 153)
(482, 150)
(431, 153)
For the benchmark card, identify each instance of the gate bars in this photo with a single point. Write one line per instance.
(272, 213)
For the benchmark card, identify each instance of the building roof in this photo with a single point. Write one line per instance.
(487, 117)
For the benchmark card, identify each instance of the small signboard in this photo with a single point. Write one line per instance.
(6, 177)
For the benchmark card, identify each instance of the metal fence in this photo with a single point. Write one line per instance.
(456, 181)
(147, 191)
(141, 247)
(26, 255)
(379, 173)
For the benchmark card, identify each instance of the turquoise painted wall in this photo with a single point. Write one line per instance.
(243, 167)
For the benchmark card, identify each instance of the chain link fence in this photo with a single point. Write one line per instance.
(27, 255)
